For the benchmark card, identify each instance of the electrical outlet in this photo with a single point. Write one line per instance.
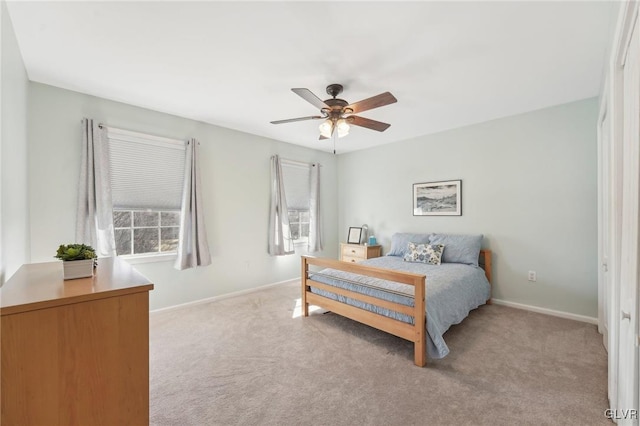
(532, 276)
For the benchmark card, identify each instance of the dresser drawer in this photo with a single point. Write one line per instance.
(352, 250)
(352, 259)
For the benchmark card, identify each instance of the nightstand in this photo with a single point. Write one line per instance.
(356, 252)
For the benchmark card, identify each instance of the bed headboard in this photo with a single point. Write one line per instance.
(484, 260)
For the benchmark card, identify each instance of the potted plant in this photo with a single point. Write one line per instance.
(78, 260)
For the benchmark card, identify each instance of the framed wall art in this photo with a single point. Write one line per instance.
(437, 198)
(354, 235)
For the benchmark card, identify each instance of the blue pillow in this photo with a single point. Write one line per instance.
(459, 248)
(400, 242)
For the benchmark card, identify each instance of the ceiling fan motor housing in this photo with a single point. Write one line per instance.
(336, 105)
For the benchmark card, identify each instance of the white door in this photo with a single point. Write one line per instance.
(628, 318)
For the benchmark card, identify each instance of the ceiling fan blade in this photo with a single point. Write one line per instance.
(291, 120)
(369, 124)
(308, 96)
(377, 101)
(322, 137)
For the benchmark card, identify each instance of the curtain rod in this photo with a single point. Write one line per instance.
(144, 135)
(298, 163)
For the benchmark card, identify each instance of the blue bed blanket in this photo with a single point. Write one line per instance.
(452, 291)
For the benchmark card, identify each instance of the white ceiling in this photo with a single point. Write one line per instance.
(233, 64)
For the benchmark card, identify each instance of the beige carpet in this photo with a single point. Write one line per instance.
(246, 361)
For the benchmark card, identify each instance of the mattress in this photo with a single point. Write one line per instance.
(452, 291)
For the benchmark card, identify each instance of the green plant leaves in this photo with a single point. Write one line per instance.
(75, 252)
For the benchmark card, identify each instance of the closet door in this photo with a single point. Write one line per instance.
(628, 317)
(605, 203)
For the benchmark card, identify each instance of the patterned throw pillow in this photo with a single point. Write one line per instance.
(425, 253)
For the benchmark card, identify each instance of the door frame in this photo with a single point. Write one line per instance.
(628, 397)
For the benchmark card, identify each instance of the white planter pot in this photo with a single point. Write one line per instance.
(77, 269)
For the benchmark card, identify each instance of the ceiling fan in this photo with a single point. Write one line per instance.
(338, 113)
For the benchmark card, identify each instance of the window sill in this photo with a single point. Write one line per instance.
(134, 259)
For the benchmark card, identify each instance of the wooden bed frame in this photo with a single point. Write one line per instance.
(416, 333)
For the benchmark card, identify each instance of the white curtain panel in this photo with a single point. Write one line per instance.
(280, 241)
(315, 228)
(193, 249)
(94, 222)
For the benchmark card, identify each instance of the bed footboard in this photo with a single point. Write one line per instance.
(415, 333)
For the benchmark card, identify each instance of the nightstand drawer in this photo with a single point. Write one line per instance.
(353, 250)
(353, 253)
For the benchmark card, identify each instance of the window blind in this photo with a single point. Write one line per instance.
(147, 172)
(296, 185)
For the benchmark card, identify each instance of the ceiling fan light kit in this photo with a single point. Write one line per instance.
(327, 128)
(338, 113)
(342, 127)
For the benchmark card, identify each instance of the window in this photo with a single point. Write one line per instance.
(144, 232)
(147, 174)
(296, 188)
(299, 225)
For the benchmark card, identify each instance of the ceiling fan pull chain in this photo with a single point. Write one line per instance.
(334, 144)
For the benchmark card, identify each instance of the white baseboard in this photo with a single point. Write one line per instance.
(546, 311)
(222, 296)
(522, 306)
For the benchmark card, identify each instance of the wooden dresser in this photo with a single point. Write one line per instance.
(75, 352)
(356, 252)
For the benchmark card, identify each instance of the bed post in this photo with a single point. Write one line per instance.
(303, 280)
(420, 343)
(487, 268)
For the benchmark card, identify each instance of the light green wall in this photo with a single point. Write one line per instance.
(235, 179)
(14, 200)
(528, 184)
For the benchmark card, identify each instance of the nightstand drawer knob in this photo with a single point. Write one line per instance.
(353, 251)
(353, 261)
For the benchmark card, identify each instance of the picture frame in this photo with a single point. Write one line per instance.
(354, 236)
(442, 198)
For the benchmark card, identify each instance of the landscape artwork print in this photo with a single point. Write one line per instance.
(437, 198)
